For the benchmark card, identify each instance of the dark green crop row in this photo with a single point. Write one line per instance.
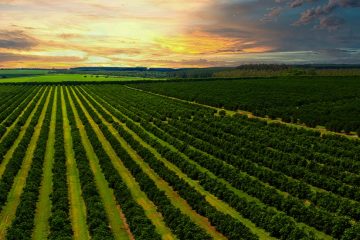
(328, 101)
(268, 146)
(7, 106)
(246, 208)
(59, 222)
(329, 201)
(180, 224)
(290, 183)
(96, 218)
(273, 161)
(142, 108)
(17, 158)
(289, 139)
(23, 223)
(292, 206)
(9, 140)
(16, 107)
(272, 143)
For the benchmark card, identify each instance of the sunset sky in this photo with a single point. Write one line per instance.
(169, 33)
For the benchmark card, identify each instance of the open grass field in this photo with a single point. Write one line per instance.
(112, 162)
(59, 78)
(12, 73)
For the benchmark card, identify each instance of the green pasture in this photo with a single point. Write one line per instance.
(71, 78)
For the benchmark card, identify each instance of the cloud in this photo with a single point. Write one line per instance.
(299, 3)
(273, 14)
(330, 23)
(238, 21)
(16, 40)
(196, 43)
(323, 14)
(319, 10)
(336, 52)
(13, 57)
(10, 57)
(336, 55)
(179, 63)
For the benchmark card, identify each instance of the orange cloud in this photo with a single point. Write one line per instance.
(258, 49)
(196, 43)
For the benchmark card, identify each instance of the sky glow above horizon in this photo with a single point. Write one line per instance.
(160, 33)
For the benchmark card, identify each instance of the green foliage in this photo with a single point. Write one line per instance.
(25, 212)
(59, 222)
(177, 221)
(17, 158)
(290, 183)
(333, 102)
(254, 157)
(222, 113)
(95, 210)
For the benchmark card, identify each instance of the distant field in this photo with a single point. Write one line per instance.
(71, 78)
(333, 102)
(11, 73)
(236, 73)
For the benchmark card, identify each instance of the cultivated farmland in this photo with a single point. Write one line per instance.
(331, 102)
(113, 162)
